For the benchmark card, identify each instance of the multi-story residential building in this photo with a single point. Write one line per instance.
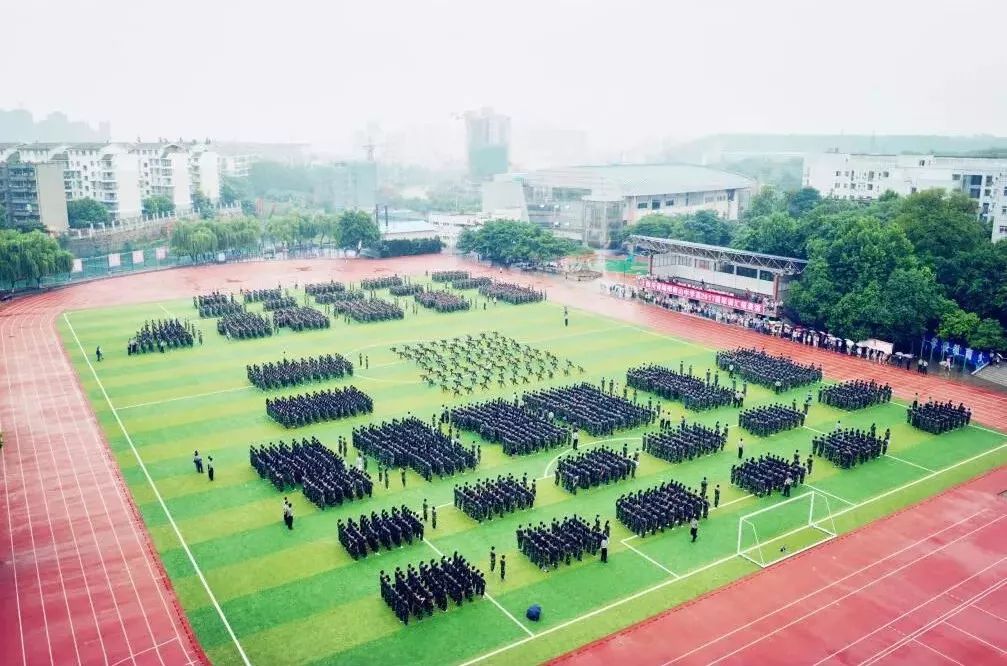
(32, 194)
(593, 203)
(237, 166)
(121, 176)
(204, 171)
(864, 177)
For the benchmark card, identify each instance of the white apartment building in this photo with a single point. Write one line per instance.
(236, 166)
(865, 177)
(204, 171)
(592, 203)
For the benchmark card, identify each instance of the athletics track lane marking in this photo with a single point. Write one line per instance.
(160, 499)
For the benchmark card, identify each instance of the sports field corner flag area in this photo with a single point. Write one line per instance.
(316, 539)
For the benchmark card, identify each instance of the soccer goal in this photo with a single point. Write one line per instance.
(789, 527)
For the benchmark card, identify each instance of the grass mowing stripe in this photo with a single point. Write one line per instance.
(164, 507)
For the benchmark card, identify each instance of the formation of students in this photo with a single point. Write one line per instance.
(448, 276)
(685, 441)
(693, 392)
(271, 304)
(161, 334)
(442, 301)
(471, 362)
(318, 288)
(486, 499)
(258, 295)
(593, 468)
(412, 443)
(515, 428)
(768, 473)
(668, 504)
(589, 408)
(390, 528)
(777, 372)
(855, 394)
(415, 592)
(405, 289)
(548, 546)
(332, 297)
(470, 283)
(849, 447)
(221, 309)
(323, 476)
(290, 372)
(370, 310)
(304, 408)
(370, 284)
(769, 419)
(938, 417)
(244, 326)
(514, 294)
(300, 319)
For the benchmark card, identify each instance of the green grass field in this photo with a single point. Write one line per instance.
(297, 597)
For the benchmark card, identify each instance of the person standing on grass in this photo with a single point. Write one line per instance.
(741, 448)
(197, 460)
(503, 567)
(426, 510)
(604, 550)
(433, 517)
(493, 558)
(97, 353)
(694, 529)
(716, 496)
(209, 467)
(403, 477)
(288, 514)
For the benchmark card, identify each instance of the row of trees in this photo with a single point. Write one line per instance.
(27, 258)
(894, 269)
(200, 240)
(509, 242)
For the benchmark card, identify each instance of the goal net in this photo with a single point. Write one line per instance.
(789, 527)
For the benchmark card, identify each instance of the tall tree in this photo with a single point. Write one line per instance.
(357, 230)
(510, 241)
(82, 213)
(30, 257)
(158, 205)
(940, 225)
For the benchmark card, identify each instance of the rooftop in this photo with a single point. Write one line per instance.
(771, 262)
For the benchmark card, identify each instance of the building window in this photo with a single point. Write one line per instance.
(1003, 229)
(912, 190)
(870, 186)
(956, 176)
(987, 192)
(655, 204)
(837, 174)
(846, 173)
(669, 203)
(989, 180)
(870, 175)
(642, 205)
(923, 162)
(884, 174)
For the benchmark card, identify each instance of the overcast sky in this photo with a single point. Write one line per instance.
(623, 71)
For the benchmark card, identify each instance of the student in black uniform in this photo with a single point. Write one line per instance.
(493, 558)
(209, 467)
(503, 567)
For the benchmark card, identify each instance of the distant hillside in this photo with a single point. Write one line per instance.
(18, 125)
(731, 147)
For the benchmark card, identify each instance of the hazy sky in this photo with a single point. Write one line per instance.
(624, 71)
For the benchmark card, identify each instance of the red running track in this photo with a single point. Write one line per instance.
(80, 581)
(927, 585)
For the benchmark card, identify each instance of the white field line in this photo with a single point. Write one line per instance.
(160, 499)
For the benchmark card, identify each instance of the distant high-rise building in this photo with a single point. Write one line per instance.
(488, 136)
